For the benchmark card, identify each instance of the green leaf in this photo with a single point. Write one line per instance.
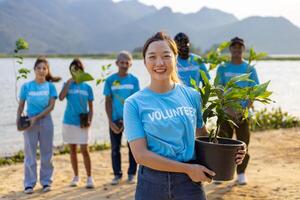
(236, 79)
(260, 89)
(232, 122)
(193, 83)
(21, 44)
(24, 71)
(80, 76)
(223, 45)
(204, 77)
(199, 60)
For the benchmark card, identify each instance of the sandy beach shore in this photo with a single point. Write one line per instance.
(273, 173)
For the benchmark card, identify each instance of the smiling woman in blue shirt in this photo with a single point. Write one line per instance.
(161, 122)
(39, 95)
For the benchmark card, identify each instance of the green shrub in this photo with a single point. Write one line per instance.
(273, 119)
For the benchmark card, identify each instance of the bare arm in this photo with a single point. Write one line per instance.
(64, 91)
(201, 132)
(44, 113)
(20, 109)
(147, 158)
(91, 112)
(108, 109)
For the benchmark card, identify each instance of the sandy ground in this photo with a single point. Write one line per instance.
(273, 173)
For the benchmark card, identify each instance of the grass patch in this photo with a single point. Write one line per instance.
(59, 150)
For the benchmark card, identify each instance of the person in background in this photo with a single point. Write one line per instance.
(237, 66)
(118, 87)
(39, 95)
(188, 66)
(79, 102)
(161, 123)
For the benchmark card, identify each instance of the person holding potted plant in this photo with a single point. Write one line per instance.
(117, 88)
(237, 66)
(188, 65)
(77, 120)
(40, 95)
(161, 122)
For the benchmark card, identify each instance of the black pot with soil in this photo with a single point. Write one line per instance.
(23, 123)
(84, 120)
(218, 157)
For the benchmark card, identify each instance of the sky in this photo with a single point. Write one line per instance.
(289, 9)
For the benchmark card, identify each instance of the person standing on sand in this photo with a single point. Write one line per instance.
(117, 88)
(187, 65)
(40, 95)
(161, 122)
(75, 132)
(237, 66)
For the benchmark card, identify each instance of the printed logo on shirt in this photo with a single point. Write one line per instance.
(38, 93)
(122, 87)
(76, 91)
(187, 69)
(231, 74)
(171, 113)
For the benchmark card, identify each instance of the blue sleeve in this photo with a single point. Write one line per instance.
(132, 123)
(220, 76)
(23, 92)
(199, 111)
(53, 92)
(90, 93)
(254, 77)
(203, 68)
(107, 88)
(136, 86)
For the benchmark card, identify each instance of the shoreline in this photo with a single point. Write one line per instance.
(273, 174)
(112, 56)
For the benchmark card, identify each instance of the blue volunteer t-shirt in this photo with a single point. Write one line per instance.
(189, 69)
(37, 96)
(78, 97)
(167, 121)
(120, 88)
(229, 70)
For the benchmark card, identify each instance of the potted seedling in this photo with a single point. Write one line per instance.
(216, 153)
(79, 76)
(20, 73)
(105, 71)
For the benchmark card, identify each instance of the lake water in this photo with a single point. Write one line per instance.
(285, 84)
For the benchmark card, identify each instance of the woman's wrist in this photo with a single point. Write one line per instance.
(186, 168)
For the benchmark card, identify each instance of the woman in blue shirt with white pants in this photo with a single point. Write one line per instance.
(40, 95)
(75, 130)
(161, 122)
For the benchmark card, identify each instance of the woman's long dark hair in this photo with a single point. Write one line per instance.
(49, 76)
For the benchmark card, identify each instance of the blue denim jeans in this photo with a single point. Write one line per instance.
(41, 133)
(158, 185)
(116, 142)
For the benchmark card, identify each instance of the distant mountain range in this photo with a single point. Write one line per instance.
(103, 26)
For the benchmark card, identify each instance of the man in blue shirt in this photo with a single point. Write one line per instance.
(118, 87)
(188, 65)
(237, 66)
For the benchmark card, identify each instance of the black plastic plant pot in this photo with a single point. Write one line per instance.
(218, 157)
(23, 123)
(84, 120)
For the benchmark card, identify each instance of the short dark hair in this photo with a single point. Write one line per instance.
(237, 40)
(77, 63)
